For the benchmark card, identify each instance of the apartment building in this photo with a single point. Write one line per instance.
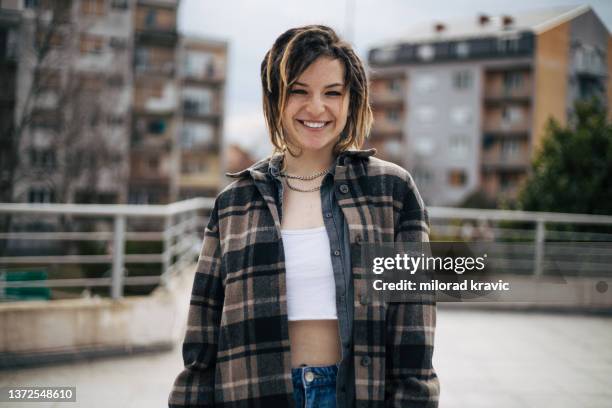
(121, 109)
(154, 154)
(72, 93)
(202, 80)
(463, 104)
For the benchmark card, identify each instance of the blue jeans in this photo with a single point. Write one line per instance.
(315, 386)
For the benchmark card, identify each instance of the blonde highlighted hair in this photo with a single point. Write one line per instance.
(292, 53)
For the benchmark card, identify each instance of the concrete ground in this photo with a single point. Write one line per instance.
(484, 359)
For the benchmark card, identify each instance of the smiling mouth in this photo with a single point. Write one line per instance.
(313, 125)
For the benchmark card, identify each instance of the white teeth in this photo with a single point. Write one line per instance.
(314, 124)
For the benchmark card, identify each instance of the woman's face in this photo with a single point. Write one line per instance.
(316, 110)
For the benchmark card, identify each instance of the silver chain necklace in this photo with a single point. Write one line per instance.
(311, 177)
(314, 176)
(294, 188)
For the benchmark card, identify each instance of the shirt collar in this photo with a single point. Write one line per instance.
(271, 165)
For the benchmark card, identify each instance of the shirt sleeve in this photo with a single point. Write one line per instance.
(411, 380)
(194, 386)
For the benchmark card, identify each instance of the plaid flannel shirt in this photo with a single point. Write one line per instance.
(236, 349)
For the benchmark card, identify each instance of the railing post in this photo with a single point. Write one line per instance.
(118, 256)
(166, 255)
(539, 248)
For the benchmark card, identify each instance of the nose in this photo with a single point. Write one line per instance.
(315, 106)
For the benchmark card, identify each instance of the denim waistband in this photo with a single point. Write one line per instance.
(323, 375)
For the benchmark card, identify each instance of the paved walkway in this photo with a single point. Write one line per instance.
(483, 359)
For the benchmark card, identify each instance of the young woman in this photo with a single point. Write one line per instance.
(279, 313)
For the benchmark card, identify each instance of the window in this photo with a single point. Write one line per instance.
(91, 44)
(90, 83)
(424, 146)
(115, 120)
(510, 148)
(511, 115)
(93, 7)
(461, 115)
(393, 115)
(395, 85)
(457, 178)
(141, 59)
(119, 4)
(196, 135)
(118, 43)
(393, 148)
(8, 43)
(48, 79)
(51, 38)
(153, 163)
(463, 49)
(32, 3)
(197, 101)
(44, 119)
(156, 126)
(199, 65)
(513, 80)
(508, 44)
(194, 166)
(426, 52)
(425, 114)
(385, 54)
(458, 146)
(42, 158)
(41, 195)
(462, 79)
(150, 18)
(115, 80)
(426, 83)
(422, 177)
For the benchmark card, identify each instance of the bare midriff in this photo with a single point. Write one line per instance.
(314, 342)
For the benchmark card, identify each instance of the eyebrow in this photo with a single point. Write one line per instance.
(326, 86)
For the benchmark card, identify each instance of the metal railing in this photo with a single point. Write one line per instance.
(181, 226)
(542, 239)
(180, 239)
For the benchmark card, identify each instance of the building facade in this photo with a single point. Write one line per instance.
(111, 103)
(202, 79)
(463, 105)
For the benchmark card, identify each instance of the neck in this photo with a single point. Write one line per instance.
(308, 163)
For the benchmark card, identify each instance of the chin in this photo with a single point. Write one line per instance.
(315, 145)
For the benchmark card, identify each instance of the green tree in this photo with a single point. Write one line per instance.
(572, 172)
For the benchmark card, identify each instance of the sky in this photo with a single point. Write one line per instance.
(251, 26)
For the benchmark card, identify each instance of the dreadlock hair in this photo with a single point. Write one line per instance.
(292, 53)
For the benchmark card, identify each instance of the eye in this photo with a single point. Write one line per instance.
(334, 93)
(298, 91)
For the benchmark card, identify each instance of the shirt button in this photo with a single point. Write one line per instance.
(309, 376)
(337, 253)
(366, 361)
(344, 188)
(328, 215)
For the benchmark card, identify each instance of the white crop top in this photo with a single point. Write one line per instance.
(311, 288)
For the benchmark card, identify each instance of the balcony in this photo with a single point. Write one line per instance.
(387, 99)
(499, 95)
(155, 98)
(496, 160)
(165, 69)
(496, 125)
(167, 37)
